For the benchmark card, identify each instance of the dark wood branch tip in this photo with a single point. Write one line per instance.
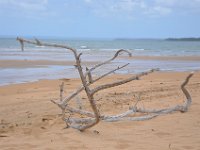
(122, 50)
(79, 55)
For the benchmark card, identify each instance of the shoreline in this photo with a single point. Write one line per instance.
(77, 78)
(22, 71)
(28, 63)
(31, 63)
(38, 63)
(167, 58)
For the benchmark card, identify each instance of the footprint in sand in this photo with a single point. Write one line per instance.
(162, 134)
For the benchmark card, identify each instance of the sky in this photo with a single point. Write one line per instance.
(100, 18)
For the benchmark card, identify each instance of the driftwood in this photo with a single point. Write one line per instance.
(87, 79)
(61, 91)
(21, 43)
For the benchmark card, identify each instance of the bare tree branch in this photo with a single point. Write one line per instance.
(21, 43)
(37, 42)
(89, 76)
(106, 74)
(94, 117)
(61, 91)
(117, 83)
(82, 77)
(109, 60)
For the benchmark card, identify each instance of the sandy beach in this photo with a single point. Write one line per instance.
(100, 75)
(30, 121)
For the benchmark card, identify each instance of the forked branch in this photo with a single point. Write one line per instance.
(93, 117)
(146, 114)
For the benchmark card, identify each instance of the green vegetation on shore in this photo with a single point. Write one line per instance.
(183, 39)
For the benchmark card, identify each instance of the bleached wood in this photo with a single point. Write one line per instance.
(117, 83)
(61, 91)
(86, 78)
(21, 43)
(106, 74)
(109, 60)
(89, 76)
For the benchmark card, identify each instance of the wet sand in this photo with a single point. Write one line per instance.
(28, 120)
(38, 63)
(164, 58)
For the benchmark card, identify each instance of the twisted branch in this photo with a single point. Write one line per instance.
(106, 86)
(146, 113)
(86, 78)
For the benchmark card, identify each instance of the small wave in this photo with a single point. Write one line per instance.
(139, 49)
(83, 47)
(109, 49)
(40, 46)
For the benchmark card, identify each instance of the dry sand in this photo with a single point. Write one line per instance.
(30, 121)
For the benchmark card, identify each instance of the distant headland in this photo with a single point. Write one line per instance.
(183, 39)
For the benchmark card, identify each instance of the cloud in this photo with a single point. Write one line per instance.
(115, 9)
(176, 5)
(26, 4)
(88, 1)
(25, 8)
(157, 11)
(132, 8)
(126, 8)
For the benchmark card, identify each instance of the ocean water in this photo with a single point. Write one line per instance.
(94, 50)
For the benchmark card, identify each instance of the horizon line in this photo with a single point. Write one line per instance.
(93, 38)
